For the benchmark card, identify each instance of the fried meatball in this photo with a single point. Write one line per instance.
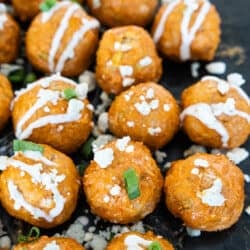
(62, 39)
(9, 36)
(118, 13)
(40, 188)
(187, 30)
(104, 183)
(126, 56)
(135, 240)
(53, 243)
(216, 113)
(146, 112)
(205, 191)
(50, 117)
(6, 95)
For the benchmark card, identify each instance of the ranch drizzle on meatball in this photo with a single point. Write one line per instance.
(187, 34)
(3, 17)
(69, 50)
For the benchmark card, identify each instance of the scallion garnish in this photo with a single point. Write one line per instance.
(17, 76)
(81, 167)
(87, 148)
(33, 234)
(19, 145)
(154, 246)
(30, 77)
(131, 183)
(69, 93)
(47, 5)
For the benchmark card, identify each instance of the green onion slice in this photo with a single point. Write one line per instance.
(30, 77)
(131, 183)
(17, 76)
(47, 5)
(154, 246)
(69, 93)
(19, 145)
(33, 234)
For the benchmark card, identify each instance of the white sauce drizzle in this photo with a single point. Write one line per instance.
(134, 242)
(3, 16)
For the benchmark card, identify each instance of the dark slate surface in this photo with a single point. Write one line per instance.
(236, 29)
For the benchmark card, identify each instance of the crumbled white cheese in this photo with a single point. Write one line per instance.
(96, 4)
(130, 124)
(97, 243)
(76, 232)
(60, 128)
(247, 210)
(88, 77)
(6, 68)
(154, 131)
(160, 156)
(106, 199)
(195, 171)
(150, 93)
(193, 232)
(128, 95)
(100, 141)
(102, 122)
(124, 47)
(237, 155)
(127, 81)
(247, 178)
(217, 68)
(201, 163)
(104, 157)
(126, 70)
(194, 149)
(194, 68)
(52, 246)
(166, 107)
(46, 109)
(122, 143)
(145, 108)
(5, 242)
(82, 90)
(129, 149)
(236, 79)
(167, 165)
(106, 101)
(115, 190)
(147, 60)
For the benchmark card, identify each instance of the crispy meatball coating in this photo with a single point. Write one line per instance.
(137, 240)
(146, 112)
(187, 30)
(126, 56)
(104, 184)
(6, 95)
(205, 191)
(62, 39)
(216, 113)
(49, 117)
(39, 188)
(118, 13)
(47, 243)
(9, 36)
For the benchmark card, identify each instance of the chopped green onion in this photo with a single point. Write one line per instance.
(47, 5)
(131, 183)
(19, 145)
(30, 77)
(17, 76)
(87, 148)
(69, 93)
(81, 167)
(33, 234)
(154, 246)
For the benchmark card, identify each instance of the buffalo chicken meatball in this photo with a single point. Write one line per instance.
(6, 96)
(216, 113)
(118, 13)
(52, 243)
(126, 56)
(38, 184)
(62, 39)
(9, 36)
(134, 240)
(146, 112)
(187, 30)
(205, 191)
(57, 113)
(123, 183)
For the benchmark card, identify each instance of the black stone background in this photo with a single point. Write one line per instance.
(235, 32)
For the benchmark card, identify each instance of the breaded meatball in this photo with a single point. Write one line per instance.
(126, 56)
(52, 117)
(105, 184)
(62, 39)
(118, 13)
(187, 30)
(216, 113)
(9, 36)
(39, 187)
(146, 112)
(135, 240)
(52, 243)
(205, 191)
(6, 95)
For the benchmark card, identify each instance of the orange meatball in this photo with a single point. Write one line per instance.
(62, 39)
(47, 243)
(50, 117)
(118, 13)
(104, 183)
(6, 95)
(126, 56)
(134, 240)
(146, 112)
(205, 191)
(216, 113)
(39, 187)
(187, 30)
(9, 36)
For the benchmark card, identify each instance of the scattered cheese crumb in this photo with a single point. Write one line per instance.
(115, 190)
(193, 232)
(194, 68)
(106, 199)
(100, 141)
(217, 68)
(247, 210)
(154, 131)
(104, 157)
(247, 178)
(147, 60)
(102, 122)
(166, 107)
(201, 163)
(160, 156)
(237, 155)
(127, 81)
(130, 124)
(194, 149)
(88, 77)
(195, 171)
(236, 79)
